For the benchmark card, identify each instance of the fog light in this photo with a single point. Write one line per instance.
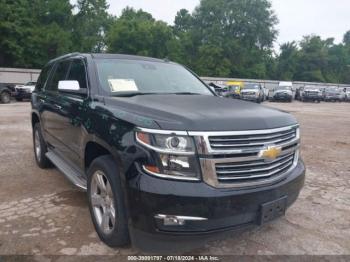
(169, 220)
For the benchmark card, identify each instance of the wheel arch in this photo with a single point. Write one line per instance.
(35, 118)
(95, 148)
(5, 91)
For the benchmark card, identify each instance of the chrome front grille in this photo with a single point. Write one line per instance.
(311, 93)
(254, 169)
(235, 159)
(248, 93)
(252, 141)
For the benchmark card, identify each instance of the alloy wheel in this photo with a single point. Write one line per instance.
(6, 98)
(102, 201)
(37, 145)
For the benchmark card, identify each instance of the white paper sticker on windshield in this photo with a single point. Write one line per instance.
(122, 85)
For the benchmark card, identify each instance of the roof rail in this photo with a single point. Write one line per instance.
(64, 56)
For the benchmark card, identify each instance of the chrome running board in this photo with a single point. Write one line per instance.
(73, 175)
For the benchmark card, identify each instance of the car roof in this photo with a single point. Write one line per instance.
(109, 56)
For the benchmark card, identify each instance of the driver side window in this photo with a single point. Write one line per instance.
(77, 72)
(59, 74)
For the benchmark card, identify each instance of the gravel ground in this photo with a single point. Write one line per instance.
(41, 213)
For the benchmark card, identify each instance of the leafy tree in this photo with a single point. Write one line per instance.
(242, 29)
(313, 59)
(183, 21)
(346, 38)
(15, 24)
(287, 61)
(212, 61)
(34, 31)
(51, 33)
(136, 32)
(90, 25)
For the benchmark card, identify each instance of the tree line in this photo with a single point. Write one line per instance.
(223, 38)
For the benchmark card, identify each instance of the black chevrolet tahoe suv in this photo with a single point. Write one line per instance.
(161, 156)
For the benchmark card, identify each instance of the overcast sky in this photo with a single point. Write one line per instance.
(327, 18)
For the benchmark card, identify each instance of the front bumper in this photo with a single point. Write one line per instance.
(224, 209)
(282, 97)
(333, 97)
(249, 97)
(312, 97)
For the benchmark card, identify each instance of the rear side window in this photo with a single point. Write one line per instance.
(77, 72)
(59, 74)
(43, 78)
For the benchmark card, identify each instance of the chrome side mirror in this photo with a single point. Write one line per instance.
(68, 85)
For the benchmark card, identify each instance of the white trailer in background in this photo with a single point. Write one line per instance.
(18, 76)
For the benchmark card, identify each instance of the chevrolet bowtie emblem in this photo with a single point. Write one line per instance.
(270, 153)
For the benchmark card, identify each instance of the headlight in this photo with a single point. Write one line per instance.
(174, 153)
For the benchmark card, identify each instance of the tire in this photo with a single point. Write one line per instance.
(40, 148)
(105, 195)
(5, 97)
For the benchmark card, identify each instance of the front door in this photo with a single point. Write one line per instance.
(74, 112)
(51, 112)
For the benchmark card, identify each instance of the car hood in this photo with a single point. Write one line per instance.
(196, 113)
(312, 90)
(249, 90)
(289, 92)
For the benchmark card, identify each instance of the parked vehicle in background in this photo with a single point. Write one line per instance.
(334, 94)
(234, 89)
(5, 94)
(283, 92)
(163, 159)
(311, 93)
(24, 91)
(253, 92)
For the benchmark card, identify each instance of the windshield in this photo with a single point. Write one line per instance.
(30, 84)
(283, 88)
(311, 88)
(251, 86)
(118, 76)
(332, 89)
(234, 88)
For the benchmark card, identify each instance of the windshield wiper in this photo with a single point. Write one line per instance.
(184, 93)
(131, 94)
(136, 93)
